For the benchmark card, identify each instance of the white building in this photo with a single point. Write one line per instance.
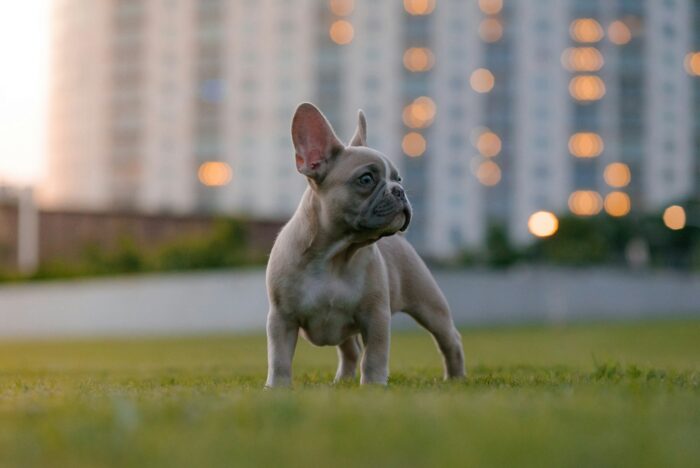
(506, 107)
(145, 92)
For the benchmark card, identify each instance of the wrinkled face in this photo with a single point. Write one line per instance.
(359, 188)
(363, 189)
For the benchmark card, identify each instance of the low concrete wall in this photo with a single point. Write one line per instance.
(236, 301)
(560, 295)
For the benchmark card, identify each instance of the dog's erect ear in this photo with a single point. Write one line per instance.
(315, 142)
(360, 136)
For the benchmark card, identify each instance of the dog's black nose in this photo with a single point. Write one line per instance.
(398, 192)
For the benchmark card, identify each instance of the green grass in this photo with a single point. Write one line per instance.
(587, 395)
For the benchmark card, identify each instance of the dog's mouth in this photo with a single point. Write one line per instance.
(386, 222)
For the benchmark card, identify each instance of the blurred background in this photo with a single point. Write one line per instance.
(550, 148)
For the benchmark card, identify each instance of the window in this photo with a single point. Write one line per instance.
(541, 170)
(456, 113)
(372, 83)
(456, 83)
(456, 141)
(541, 142)
(211, 90)
(669, 30)
(456, 236)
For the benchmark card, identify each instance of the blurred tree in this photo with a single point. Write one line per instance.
(500, 253)
(579, 241)
(227, 246)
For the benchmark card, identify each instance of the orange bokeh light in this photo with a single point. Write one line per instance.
(341, 32)
(418, 59)
(586, 145)
(491, 7)
(420, 113)
(617, 175)
(482, 80)
(342, 7)
(488, 144)
(214, 173)
(619, 33)
(587, 88)
(586, 30)
(692, 63)
(617, 204)
(585, 203)
(490, 30)
(413, 144)
(582, 59)
(674, 217)
(419, 7)
(488, 173)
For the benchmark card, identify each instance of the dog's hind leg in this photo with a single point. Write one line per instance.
(349, 352)
(434, 316)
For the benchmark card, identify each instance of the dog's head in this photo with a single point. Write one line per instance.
(357, 186)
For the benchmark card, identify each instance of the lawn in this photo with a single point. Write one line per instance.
(585, 395)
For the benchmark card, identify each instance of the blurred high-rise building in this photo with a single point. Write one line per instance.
(493, 110)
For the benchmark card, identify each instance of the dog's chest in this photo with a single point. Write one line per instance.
(326, 306)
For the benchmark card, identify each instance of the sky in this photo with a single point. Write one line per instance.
(24, 65)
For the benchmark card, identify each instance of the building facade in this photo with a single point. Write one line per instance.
(492, 109)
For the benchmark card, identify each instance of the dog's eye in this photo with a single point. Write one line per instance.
(399, 179)
(366, 179)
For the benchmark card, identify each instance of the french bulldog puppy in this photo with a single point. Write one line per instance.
(340, 268)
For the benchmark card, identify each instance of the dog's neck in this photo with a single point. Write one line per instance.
(325, 246)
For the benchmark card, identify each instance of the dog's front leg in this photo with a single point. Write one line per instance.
(281, 342)
(376, 334)
(349, 352)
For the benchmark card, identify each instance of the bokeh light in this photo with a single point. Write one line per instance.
(617, 175)
(586, 30)
(586, 59)
(419, 7)
(542, 224)
(418, 59)
(214, 173)
(619, 33)
(482, 80)
(585, 203)
(674, 217)
(587, 88)
(692, 63)
(488, 173)
(488, 144)
(341, 32)
(413, 144)
(586, 145)
(342, 7)
(420, 113)
(490, 30)
(617, 204)
(491, 7)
